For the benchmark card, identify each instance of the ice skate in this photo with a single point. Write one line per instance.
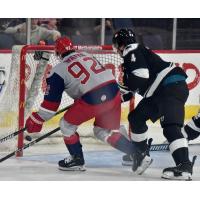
(141, 160)
(72, 163)
(183, 171)
(127, 160)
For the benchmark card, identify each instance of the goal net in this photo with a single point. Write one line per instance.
(26, 85)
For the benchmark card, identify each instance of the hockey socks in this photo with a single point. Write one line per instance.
(73, 144)
(74, 162)
(121, 143)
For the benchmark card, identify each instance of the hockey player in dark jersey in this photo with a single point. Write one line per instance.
(96, 95)
(163, 87)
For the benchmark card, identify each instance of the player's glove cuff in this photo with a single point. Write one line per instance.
(36, 118)
(123, 88)
(126, 94)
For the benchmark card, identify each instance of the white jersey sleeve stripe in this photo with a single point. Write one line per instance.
(157, 81)
(142, 72)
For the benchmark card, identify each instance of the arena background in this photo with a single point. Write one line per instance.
(135, 9)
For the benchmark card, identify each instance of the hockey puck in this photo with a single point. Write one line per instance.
(28, 138)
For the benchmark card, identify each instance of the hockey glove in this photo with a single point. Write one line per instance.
(126, 94)
(34, 123)
(126, 97)
(38, 55)
(41, 54)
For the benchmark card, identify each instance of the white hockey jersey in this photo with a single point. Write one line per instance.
(80, 73)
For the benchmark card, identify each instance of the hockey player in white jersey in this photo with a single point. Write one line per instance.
(96, 95)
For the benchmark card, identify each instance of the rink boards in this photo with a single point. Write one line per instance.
(188, 60)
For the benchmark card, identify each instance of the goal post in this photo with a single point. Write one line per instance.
(27, 84)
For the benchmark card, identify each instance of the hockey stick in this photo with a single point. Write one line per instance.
(153, 147)
(165, 147)
(29, 144)
(159, 147)
(10, 136)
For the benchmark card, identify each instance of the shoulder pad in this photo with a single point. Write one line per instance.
(130, 48)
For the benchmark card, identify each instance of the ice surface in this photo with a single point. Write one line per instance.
(103, 163)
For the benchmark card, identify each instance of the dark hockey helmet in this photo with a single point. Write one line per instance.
(123, 37)
(63, 45)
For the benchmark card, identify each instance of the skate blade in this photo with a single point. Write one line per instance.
(170, 176)
(145, 164)
(75, 168)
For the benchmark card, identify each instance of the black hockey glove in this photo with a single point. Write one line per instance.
(125, 79)
(126, 94)
(40, 54)
(126, 97)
